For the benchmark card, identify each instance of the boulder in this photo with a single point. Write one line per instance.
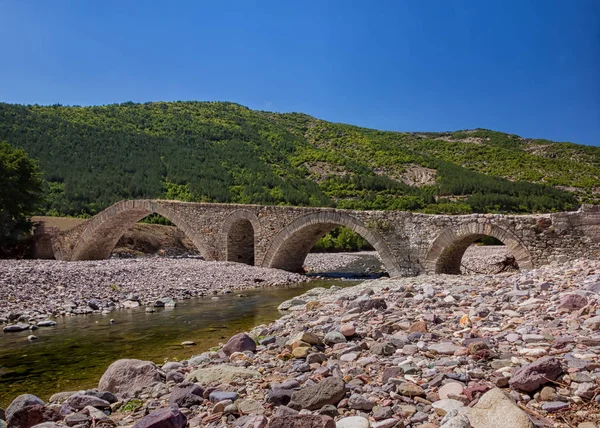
(496, 410)
(221, 374)
(364, 305)
(128, 376)
(22, 401)
(530, 377)
(239, 343)
(329, 391)
(28, 416)
(170, 417)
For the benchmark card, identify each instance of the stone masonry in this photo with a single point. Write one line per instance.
(281, 237)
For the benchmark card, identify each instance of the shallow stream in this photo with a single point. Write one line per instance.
(75, 353)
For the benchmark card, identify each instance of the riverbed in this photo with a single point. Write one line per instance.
(74, 354)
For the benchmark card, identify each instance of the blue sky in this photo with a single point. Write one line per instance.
(522, 66)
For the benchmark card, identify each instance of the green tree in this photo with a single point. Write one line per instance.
(20, 192)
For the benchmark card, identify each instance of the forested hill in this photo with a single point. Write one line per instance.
(92, 157)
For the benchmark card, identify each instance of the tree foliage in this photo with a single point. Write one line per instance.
(92, 157)
(20, 192)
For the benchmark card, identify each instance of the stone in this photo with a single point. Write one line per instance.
(21, 402)
(279, 396)
(329, 391)
(353, 422)
(251, 421)
(239, 343)
(548, 394)
(368, 304)
(444, 348)
(530, 377)
(307, 337)
(347, 330)
(246, 407)
(572, 302)
(128, 376)
(170, 417)
(554, 406)
(410, 389)
(28, 416)
(441, 407)
(496, 410)
(80, 401)
(15, 327)
(334, 337)
(46, 323)
(217, 396)
(418, 327)
(301, 421)
(186, 395)
(73, 419)
(451, 388)
(456, 421)
(587, 390)
(592, 323)
(358, 402)
(221, 374)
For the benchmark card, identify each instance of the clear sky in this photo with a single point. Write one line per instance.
(529, 67)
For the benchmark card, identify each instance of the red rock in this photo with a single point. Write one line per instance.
(170, 417)
(572, 301)
(301, 421)
(530, 377)
(239, 343)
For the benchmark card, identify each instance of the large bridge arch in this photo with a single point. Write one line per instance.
(292, 244)
(446, 252)
(238, 236)
(103, 231)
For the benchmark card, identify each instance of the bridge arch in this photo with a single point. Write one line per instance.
(238, 235)
(446, 252)
(292, 244)
(102, 232)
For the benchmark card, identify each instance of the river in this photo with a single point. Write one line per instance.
(75, 353)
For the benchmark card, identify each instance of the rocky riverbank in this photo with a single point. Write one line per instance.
(31, 290)
(511, 350)
(37, 289)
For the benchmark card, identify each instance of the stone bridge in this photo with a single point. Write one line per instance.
(281, 237)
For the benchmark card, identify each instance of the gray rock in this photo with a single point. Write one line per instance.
(359, 402)
(334, 337)
(329, 391)
(15, 327)
(221, 374)
(80, 401)
(128, 376)
(554, 406)
(217, 396)
(496, 410)
(353, 422)
(46, 323)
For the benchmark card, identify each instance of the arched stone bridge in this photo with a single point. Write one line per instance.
(281, 237)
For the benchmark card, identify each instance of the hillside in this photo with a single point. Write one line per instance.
(92, 157)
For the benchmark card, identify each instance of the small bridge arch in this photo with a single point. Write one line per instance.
(102, 232)
(446, 252)
(291, 245)
(238, 235)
